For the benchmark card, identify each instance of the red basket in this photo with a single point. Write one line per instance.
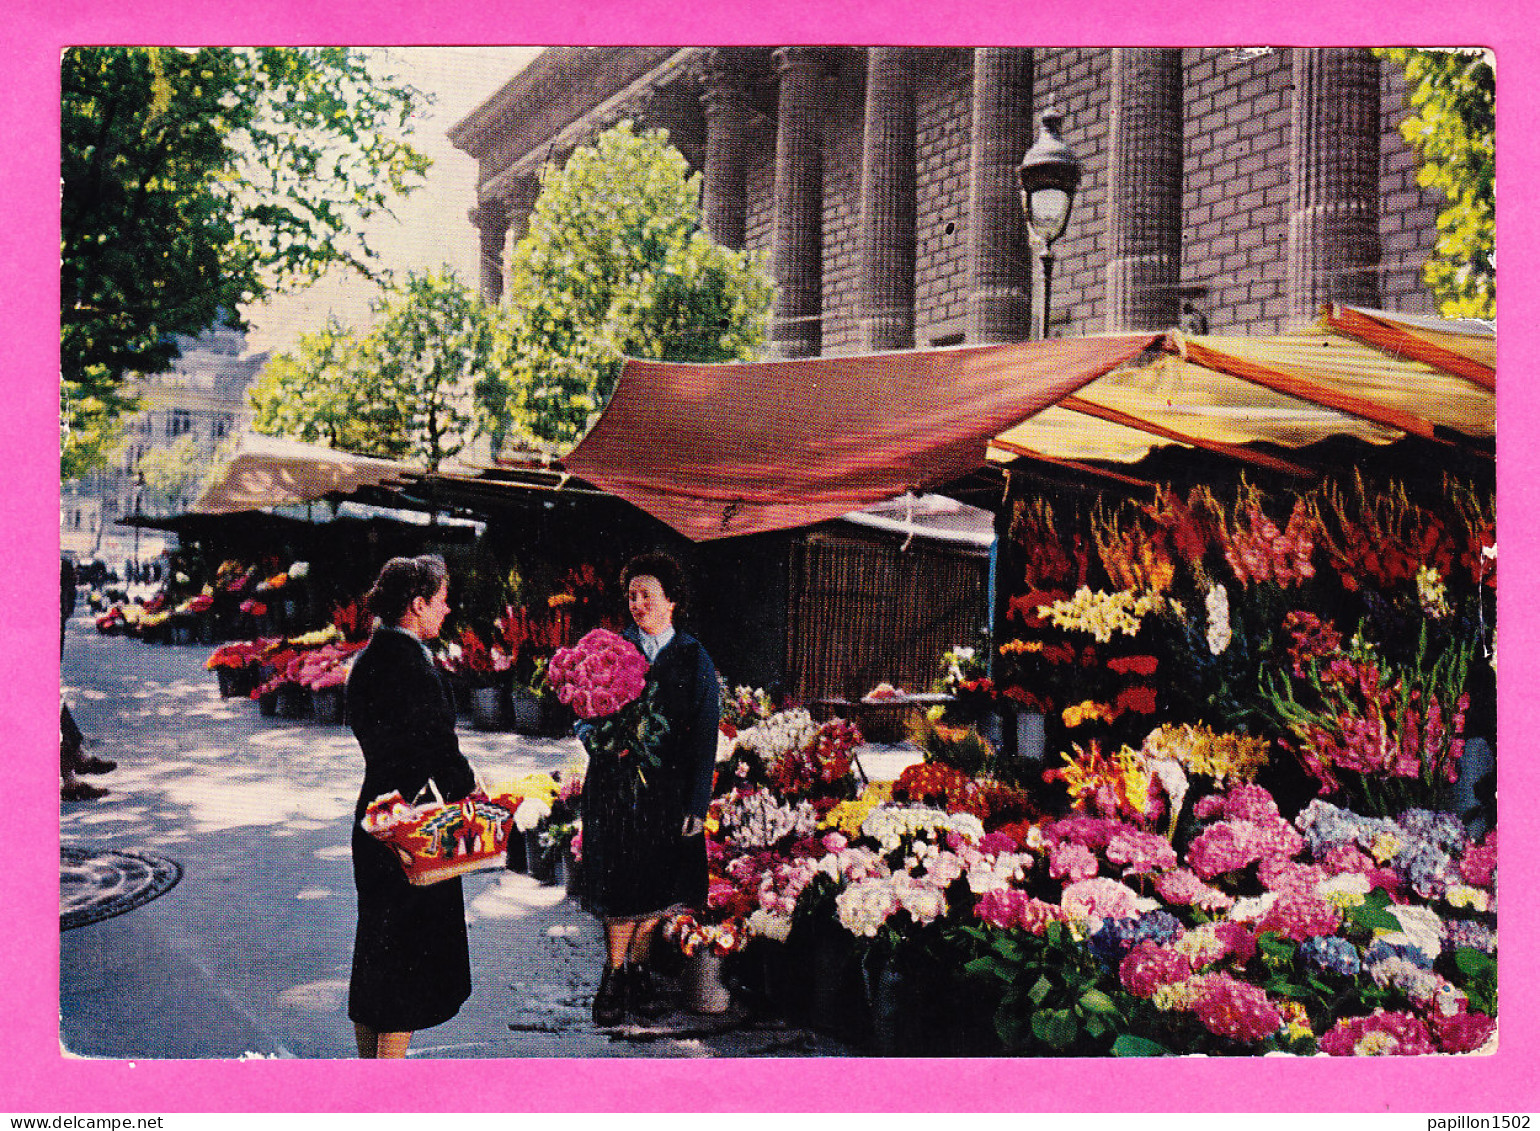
(440, 840)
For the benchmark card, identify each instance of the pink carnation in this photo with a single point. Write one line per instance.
(1068, 860)
(1099, 898)
(1298, 916)
(1235, 1009)
(1148, 966)
(1379, 1034)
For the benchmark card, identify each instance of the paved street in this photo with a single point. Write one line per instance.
(249, 953)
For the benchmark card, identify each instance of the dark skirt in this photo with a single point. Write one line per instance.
(411, 959)
(635, 863)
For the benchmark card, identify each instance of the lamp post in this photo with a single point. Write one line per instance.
(1049, 175)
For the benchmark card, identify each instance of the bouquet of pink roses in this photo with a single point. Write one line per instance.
(604, 680)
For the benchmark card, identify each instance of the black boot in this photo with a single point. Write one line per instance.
(643, 997)
(610, 1000)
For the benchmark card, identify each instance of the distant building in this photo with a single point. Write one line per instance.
(1239, 189)
(202, 398)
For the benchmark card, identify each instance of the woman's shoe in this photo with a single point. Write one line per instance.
(643, 996)
(610, 1000)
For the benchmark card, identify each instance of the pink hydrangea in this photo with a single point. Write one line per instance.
(1148, 966)
(1010, 908)
(600, 675)
(1299, 915)
(1246, 802)
(1093, 832)
(1140, 852)
(1283, 876)
(1479, 863)
(1238, 940)
(1182, 888)
(1379, 1034)
(1099, 898)
(1071, 861)
(1462, 1031)
(1231, 1008)
(1225, 846)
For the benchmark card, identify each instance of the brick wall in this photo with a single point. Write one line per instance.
(1234, 209)
(1408, 212)
(943, 108)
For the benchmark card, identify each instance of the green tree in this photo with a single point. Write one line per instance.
(404, 390)
(173, 472)
(615, 264)
(1452, 96)
(196, 181)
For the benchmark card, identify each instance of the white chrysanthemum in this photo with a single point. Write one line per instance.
(530, 813)
(864, 906)
(768, 926)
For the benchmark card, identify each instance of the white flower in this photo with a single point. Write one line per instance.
(1254, 909)
(767, 925)
(865, 906)
(530, 813)
(299, 571)
(1420, 928)
(1217, 603)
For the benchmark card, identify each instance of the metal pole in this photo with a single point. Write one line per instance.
(1047, 290)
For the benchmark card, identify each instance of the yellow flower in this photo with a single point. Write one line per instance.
(1385, 847)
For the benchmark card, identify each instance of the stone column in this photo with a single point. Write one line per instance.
(491, 218)
(999, 258)
(888, 201)
(724, 197)
(1334, 242)
(1144, 215)
(797, 245)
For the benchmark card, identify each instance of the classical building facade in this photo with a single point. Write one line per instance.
(201, 399)
(1241, 188)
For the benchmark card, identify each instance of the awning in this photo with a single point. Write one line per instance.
(267, 471)
(722, 450)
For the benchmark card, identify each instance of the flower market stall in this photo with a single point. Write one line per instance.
(1245, 591)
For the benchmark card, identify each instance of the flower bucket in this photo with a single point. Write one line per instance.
(328, 705)
(526, 712)
(704, 990)
(515, 860)
(184, 630)
(267, 704)
(293, 701)
(560, 875)
(1030, 736)
(235, 683)
(884, 990)
(489, 708)
(575, 881)
(540, 864)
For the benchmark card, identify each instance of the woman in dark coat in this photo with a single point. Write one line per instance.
(644, 844)
(411, 960)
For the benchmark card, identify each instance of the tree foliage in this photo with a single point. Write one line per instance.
(405, 390)
(173, 472)
(195, 181)
(615, 264)
(1452, 96)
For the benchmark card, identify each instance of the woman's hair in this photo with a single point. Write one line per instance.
(670, 575)
(401, 581)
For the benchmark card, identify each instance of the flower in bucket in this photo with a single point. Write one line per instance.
(604, 680)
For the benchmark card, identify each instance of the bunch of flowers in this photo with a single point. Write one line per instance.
(1135, 556)
(1200, 750)
(848, 816)
(936, 783)
(823, 766)
(744, 707)
(469, 656)
(604, 680)
(1380, 537)
(1216, 604)
(1041, 544)
(1257, 551)
(690, 935)
(239, 654)
(1117, 786)
(326, 666)
(1101, 613)
(757, 818)
(1245, 828)
(780, 734)
(1380, 1034)
(893, 827)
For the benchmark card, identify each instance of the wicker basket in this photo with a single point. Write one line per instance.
(441, 840)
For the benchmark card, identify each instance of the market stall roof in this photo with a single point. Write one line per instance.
(721, 450)
(267, 471)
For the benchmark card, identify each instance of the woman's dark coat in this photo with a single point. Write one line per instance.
(411, 961)
(635, 862)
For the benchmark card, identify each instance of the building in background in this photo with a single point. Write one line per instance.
(1239, 189)
(198, 404)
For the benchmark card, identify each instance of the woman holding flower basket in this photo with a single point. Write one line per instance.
(411, 959)
(648, 704)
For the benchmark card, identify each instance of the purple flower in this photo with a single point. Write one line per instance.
(1331, 953)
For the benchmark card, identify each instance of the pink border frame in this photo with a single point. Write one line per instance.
(37, 1078)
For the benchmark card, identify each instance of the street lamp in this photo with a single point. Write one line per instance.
(1049, 175)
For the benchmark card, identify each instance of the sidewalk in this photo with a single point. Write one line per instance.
(249, 953)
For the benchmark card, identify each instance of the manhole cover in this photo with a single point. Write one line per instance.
(96, 884)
